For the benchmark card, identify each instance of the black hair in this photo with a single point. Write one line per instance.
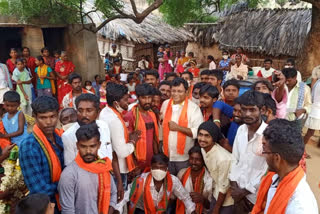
(225, 51)
(292, 61)
(130, 76)
(115, 92)
(87, 132)
(191, 54)
(211, 90)
(19, 60)
(189, 73)
(198, 85)
(44, 104)
(205, 72)
(264, 82)
(33, 204)
(270, 103)
(87, 81)
(217, 73)
(56, 52)
(240, 48)
(160, 158)
(95, 76)
(252, 98)
(195, 149)
(289, 72)
(40, 58)
(233, 82)
(170, 74)
(212, 128)
(44, 49)
(151, 72)
(268, 60)
(210, 57)
(26, 48)
(165, 82)
(11, 96)
(13, 49)
(144, 89)
(88, 97)
(284, 138)
(73, 76)
(178, 81)
(156, 92)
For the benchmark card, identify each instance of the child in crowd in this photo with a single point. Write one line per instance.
(35, 203)
(103, 94)
(194, 70)
(22, 78)
(88, 86)
(56, 55)
(107, 62)
(14, 121)
(33, 92)
(45, 78)
(96, 84)
(3, 141)
(131, 84)
(160, 53)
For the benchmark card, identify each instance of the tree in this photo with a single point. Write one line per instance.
(310, 54)
(73, 11)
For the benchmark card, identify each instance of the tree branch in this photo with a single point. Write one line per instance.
(134, 7)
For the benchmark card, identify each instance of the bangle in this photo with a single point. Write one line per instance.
(216, 120)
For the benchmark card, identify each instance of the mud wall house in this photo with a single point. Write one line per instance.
(82, 46)
(135, 40)
(278, 34)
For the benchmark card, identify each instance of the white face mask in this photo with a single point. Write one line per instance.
(189, 83)
(67, 126)
(158, 174)
(88, 87)
(288, 66)
(196, 101)
(225, 56)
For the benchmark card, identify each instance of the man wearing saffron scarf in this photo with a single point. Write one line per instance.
(63, 69)
(70, 98)
(180, 121)
(197, 181)
(151, 191)
(142, 118)
(122, 142)
(284, 189)
(86, 185)
(218, 161)
(41, 153)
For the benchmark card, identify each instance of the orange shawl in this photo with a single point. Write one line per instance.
(199, 185)
(4, 142)
(141, 146)
(183, 121)
(283, 194)
(102, 168)
(190, 91)
(149, 206)
(130, 161)
(84, 91)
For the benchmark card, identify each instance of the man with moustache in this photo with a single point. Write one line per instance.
(142, 118)
(41, 154)
(249, 166)
(165, 89)
(86, 185)
(87, 106)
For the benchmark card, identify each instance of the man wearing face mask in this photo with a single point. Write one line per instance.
(142, 118)
(196, 92)
(249, 167)
(122, 142)
(181, 119)
(151, 191)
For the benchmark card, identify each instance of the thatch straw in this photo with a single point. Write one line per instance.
(271, 32)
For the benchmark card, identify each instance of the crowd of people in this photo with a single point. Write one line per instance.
(172, 140)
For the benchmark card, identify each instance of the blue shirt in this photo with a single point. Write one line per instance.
(35, 167)
(224, 64)
(224, 107)
(12, 125)
(232, 132)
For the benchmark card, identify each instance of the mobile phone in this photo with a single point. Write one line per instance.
(274, 78)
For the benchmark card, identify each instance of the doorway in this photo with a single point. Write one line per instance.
(54, 39)
(10, 38)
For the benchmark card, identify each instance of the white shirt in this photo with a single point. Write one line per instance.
(177, 190)
(249, 165)
(69, 140)
(195, 118)
(143, 64)
(301, 202)
(212, 65)
(119, 144)
(4, 77)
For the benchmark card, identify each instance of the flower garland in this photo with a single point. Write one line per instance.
(12, 181)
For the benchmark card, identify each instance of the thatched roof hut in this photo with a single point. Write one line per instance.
(135, 40)
(279, 32)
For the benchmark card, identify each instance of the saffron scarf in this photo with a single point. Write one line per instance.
(43, 71)
(283, 193)
(199, 185)
(130, 160)
(183, 121)
(84, 91)
(190, 91)
(141, 146)
(4, 142)
(52, 158)
(100, 167)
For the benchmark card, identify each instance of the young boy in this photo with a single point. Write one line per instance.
(22, 78)
(13, 121)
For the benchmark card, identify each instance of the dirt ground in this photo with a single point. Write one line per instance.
(313, 167)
